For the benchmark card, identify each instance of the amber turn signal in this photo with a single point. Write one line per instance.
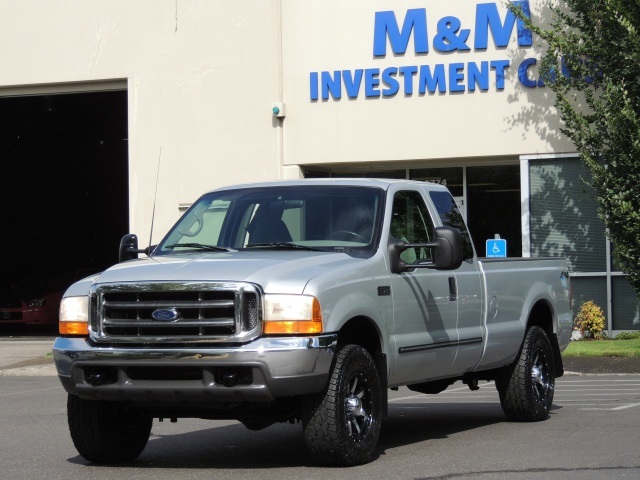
(73, 328)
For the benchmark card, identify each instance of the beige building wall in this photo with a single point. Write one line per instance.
(202, 77)
(335, 35)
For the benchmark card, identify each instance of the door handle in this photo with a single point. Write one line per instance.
(453, 293)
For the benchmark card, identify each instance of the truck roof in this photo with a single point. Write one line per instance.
(383, 183)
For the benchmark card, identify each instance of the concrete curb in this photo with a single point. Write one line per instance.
(30, 371)
(34, 367)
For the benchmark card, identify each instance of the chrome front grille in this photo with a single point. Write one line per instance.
(158, 312)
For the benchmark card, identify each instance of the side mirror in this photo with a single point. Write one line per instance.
(447, 251)
(129, 248)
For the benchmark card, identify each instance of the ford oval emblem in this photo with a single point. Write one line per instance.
(165, 315)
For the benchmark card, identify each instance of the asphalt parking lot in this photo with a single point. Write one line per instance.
(592, 433)
(604, 392)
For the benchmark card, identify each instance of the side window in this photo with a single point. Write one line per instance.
(451, 217)
(411, 223)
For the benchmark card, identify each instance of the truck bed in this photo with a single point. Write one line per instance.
(513, 286)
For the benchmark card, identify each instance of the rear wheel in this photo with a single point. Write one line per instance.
(342, 425)
(107, 432)
(526, 388)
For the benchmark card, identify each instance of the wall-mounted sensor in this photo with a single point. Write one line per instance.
(278, 109)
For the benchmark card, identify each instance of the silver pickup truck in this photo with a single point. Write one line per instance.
(305, 301)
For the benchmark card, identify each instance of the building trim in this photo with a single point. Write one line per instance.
(66, 87)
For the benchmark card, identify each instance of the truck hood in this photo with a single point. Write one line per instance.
(276, 271)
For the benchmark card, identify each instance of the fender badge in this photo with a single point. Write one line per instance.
(165, 315)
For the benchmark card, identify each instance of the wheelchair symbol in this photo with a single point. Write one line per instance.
(496, 248)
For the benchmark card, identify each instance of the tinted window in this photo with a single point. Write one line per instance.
(451, 217)
(412, 223)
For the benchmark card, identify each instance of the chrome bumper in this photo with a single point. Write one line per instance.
(262, 370)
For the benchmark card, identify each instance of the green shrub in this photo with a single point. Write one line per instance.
(590, 321)
(628, 335)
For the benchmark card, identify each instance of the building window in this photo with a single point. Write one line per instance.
(564, 222)
(493, 206)
(451, 177)
(626, 308)
(564, 219)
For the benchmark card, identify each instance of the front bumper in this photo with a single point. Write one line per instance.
(260, 371)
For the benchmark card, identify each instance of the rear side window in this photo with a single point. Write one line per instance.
(451, 217)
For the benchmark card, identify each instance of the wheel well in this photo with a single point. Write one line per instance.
(541, 316)
(361, 331)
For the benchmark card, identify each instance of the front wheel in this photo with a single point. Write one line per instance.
(342, 425)
(526, 388)
(107, 432)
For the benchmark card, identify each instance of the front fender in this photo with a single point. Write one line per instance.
(340, 310)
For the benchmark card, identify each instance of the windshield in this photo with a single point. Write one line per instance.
(296, 217)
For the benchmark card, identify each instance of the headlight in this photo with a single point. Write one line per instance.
(288, 314)
(74, 316)
(36, 302)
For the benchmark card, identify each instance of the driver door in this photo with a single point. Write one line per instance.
(424, 331)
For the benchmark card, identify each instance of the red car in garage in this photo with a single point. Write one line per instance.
(35, 299)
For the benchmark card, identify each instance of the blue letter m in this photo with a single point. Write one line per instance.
(488, 18)
(387, 25)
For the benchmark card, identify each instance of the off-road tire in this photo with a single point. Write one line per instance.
(526, 388)
(107, 432)
(342, 424)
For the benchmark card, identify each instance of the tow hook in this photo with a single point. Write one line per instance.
(95, 379)
(230, 379)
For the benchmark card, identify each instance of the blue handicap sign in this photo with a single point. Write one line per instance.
(497, 248)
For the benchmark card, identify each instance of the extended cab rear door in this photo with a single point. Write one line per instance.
(470, 326)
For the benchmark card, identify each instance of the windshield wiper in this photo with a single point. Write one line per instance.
(201, 246)
(283, 245)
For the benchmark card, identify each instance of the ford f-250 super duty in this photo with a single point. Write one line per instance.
(305, 301)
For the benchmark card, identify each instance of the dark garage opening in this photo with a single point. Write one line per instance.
(64, 191)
